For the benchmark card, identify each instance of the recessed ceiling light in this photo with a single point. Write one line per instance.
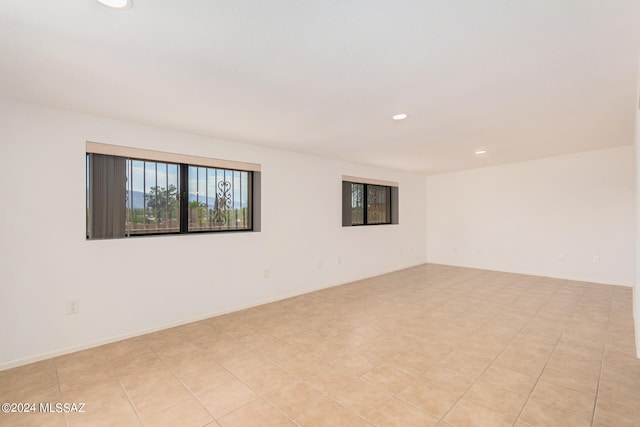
(117, 4)
(401, 116)
(481, 152)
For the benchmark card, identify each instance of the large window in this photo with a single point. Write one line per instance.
(368, 202)
(219, 199)
(139, 192)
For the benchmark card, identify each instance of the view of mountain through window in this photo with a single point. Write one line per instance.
(130, 197)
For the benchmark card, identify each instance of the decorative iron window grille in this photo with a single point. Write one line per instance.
(369, 204)
(218, 199)
(133, 197)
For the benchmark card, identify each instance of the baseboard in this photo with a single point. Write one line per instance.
(73, 349)
(530, 273)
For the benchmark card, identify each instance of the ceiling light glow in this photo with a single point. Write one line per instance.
(481, 152)
(117, 4)
(400, 116)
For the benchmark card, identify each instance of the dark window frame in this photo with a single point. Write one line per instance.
(253, 199)
(391, 205)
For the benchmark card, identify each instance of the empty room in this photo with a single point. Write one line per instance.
(332, 213)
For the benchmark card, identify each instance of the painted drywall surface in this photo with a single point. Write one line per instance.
(548, 217)
(636, 286)
(133, 285)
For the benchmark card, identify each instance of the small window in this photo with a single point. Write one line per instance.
(378, 204)
(133, 196)
(368, 203)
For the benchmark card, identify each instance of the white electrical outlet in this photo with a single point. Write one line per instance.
(267, 273)
(73, 306)
(339, 260)
(596, 259)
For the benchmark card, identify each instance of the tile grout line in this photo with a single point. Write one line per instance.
(604, 348)
(510, 342)
(547, 362)
(442, 419)
(260, 395)
(595, 402)
(496, 358)
(571, 328)
(325, 395)
(55, 364)
(223, 367)
(124, 389)
(393, 395)
(537, 380)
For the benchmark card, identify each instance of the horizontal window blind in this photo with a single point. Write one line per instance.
(162, 156)
(360, 180)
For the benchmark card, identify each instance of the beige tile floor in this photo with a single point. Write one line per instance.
(427, 346)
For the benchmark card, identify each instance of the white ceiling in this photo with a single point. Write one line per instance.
(523, 79)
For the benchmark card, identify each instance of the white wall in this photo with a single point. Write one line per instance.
(636, 286)
(547, 217)
(129, 286)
